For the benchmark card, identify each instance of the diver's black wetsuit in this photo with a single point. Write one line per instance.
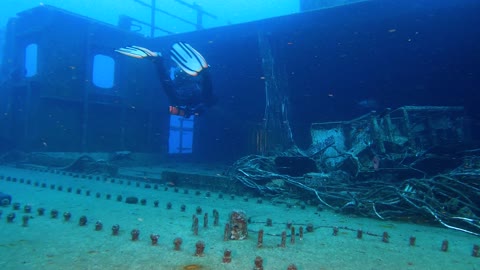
(192, 101)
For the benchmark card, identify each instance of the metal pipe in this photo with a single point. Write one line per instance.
(196, 7)
(166, 13)
(152, 19)
(145, 23)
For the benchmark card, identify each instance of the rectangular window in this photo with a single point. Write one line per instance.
(180, 140)
(103, 71)
(31, 60)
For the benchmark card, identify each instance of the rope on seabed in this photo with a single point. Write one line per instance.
(449, 226)
(410, 198)
(246, 164)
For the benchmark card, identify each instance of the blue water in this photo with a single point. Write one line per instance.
(340, 63)
(276, 72)
(108, 11)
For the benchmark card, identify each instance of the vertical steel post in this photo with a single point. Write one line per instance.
(86, 92)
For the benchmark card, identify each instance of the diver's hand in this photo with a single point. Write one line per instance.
(138, 52)
(187, 58)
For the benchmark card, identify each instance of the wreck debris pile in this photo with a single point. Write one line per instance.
(411, 163)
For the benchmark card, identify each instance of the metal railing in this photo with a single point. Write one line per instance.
(153, 14)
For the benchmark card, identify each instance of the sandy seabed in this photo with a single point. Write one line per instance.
(48, 243)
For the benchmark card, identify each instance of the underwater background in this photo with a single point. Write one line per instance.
(356, 120)
(340, 63)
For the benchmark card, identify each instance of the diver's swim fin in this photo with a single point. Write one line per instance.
(187, 58)
(138, 52)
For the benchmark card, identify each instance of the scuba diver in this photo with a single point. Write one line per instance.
(187, 86)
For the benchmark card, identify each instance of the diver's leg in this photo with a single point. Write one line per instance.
(166, 81)
(207, 88)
